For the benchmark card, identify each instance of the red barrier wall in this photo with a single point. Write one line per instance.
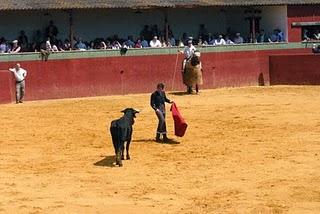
(295, 69)
(306, 13)
(134, 74)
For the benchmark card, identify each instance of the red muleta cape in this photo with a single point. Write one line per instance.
(180, 126)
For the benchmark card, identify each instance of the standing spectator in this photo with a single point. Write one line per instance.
(155, 43)
(3, 45)
(15, 47)
(203, 32)
(238, 39)
(146, 33)
(52, 31)
(20, 75)
(23, 41)
(157, 102)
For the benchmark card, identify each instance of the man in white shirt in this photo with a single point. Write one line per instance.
(220, 41)
(155, 43)
(20, 76)
(188, 52)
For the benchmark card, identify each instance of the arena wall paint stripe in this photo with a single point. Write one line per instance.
(149, 51)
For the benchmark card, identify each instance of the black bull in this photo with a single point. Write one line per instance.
(121, 132)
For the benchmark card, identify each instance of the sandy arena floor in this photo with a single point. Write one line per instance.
(247, 150)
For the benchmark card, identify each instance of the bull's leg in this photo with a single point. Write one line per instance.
(122, 152)
(127, 148)
(189, 89)
(118, 158)
(197, 88)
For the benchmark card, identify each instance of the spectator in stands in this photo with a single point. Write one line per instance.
(48, 44)
(316, 35)
(155, 43)
(228, 40)
(81, 45)
(23, 41)
(15, 47)
(3, 45)
(172, 41)
(203, 32)
(211, 39)
(116, 44)
(155, 30)
(52, 31)
(220, 40)
(305, 35)
(185, 38)
(238, 39)
(66, 45)
(144, 42)
(274, 37)
(180, 43)
(202, 42)
(103, 45)
(262, 37)
(138, 44)
(163, 42)
(129, 43)
(146, 33)
(280, 36)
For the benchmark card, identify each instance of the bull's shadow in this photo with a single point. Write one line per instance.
(107, 161)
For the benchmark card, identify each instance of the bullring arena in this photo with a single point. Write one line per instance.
(246, 150)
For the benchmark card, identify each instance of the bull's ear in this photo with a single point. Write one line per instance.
(124, 110)
(137, 110)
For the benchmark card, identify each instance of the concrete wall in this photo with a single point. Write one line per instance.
(300, 69)
(134, 74)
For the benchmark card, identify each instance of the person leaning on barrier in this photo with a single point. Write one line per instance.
(20, 75)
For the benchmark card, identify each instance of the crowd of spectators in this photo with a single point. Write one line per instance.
(150, 36)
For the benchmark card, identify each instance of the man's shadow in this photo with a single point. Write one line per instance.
(107, 161)
(180, 93)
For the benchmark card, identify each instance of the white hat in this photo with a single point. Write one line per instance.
(15, 41)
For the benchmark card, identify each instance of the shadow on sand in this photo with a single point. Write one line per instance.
(107, 161)
(179, 93)
(170, 141)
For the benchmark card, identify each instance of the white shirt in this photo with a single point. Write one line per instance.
(155, 44)
(188, 51)
(220, 42)
(20, 74)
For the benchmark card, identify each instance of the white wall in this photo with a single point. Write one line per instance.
(90, 24)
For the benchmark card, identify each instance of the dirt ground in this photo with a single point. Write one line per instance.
(246, 150)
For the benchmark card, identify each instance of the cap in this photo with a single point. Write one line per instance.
(15, 41)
